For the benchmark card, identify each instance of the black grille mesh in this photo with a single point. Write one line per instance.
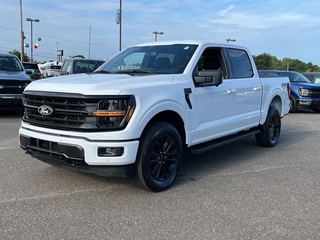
(68, 112)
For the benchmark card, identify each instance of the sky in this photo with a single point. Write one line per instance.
(282, 28)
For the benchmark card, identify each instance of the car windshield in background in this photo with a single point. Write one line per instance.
(295, 77)
(86, 66)
(164, 59)
(10, 64)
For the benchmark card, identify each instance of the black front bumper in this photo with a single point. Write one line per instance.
(70, 157)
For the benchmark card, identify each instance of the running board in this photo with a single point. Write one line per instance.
(207, 146)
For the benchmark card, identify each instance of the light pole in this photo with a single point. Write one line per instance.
(230, 40)
(57, 51)
(32, 20)
(156, 35)
(22, 34)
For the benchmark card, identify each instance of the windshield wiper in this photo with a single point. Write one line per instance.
(102, 71)
(6, 69)
(134, 71)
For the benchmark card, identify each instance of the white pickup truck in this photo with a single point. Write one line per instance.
(137, 113)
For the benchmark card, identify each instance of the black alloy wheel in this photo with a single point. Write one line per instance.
(159, 157)
(270, 131)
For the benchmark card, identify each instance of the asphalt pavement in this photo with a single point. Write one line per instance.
(239, 191)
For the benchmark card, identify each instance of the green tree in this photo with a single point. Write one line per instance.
(263, 61)
(18, 54)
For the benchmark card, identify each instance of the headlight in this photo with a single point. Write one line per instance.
(114, 113)
(304, 92)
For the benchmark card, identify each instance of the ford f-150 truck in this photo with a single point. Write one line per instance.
(303, 93)
(13, 80)
(138, 112)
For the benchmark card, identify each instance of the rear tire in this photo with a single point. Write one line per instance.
(159, 157)
(270, 130)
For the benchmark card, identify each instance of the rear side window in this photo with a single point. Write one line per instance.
(240, 63)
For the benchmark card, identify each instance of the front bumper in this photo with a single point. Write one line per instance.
(309, 103)
(79, 154)
(10, 100)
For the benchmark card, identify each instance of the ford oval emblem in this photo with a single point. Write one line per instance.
(1, 87)
(45, 110)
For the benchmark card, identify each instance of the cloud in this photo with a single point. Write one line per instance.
(225, 11)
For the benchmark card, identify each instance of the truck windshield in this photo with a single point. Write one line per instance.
(295, 77)
(9, 63)
(157, 59)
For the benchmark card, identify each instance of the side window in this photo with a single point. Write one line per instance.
(240, 63)
(211, 59)
(69, 67)
(64, 66)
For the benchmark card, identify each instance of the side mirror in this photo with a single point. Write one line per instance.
(208, 78)
(29, 71)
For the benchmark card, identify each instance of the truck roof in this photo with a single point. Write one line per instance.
(195, 42)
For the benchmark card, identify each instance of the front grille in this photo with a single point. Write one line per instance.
(315, 93)
(69, 111)
(12, 86)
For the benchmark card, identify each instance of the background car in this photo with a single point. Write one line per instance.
(303, 93)
(79, 65)
(53, 71)
(13, 80)
(36, 71)
(312, 76)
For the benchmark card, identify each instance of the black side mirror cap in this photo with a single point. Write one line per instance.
(208, 78)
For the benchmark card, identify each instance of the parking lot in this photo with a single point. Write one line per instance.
(239, 191)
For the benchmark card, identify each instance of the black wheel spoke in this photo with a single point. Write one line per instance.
(164, 158)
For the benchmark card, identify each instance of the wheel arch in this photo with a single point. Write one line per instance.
(276, 102)
(174, 119)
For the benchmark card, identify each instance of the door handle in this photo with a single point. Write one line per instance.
(231, 91)
(256, 88)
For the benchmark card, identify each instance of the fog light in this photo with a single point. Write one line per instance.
(305, 102)
(110, 151)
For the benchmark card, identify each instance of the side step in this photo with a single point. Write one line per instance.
(207, 146)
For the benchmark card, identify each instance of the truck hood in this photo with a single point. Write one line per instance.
(97, 84)
(305, 85)
(13, 75)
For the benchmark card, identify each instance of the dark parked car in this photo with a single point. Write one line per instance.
(312, 76)
(304, 94)
(33, 66)
(13, 80)
(79, 65)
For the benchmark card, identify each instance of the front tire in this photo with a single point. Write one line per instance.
(159, 157)
(270, 130)
(293, 105)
